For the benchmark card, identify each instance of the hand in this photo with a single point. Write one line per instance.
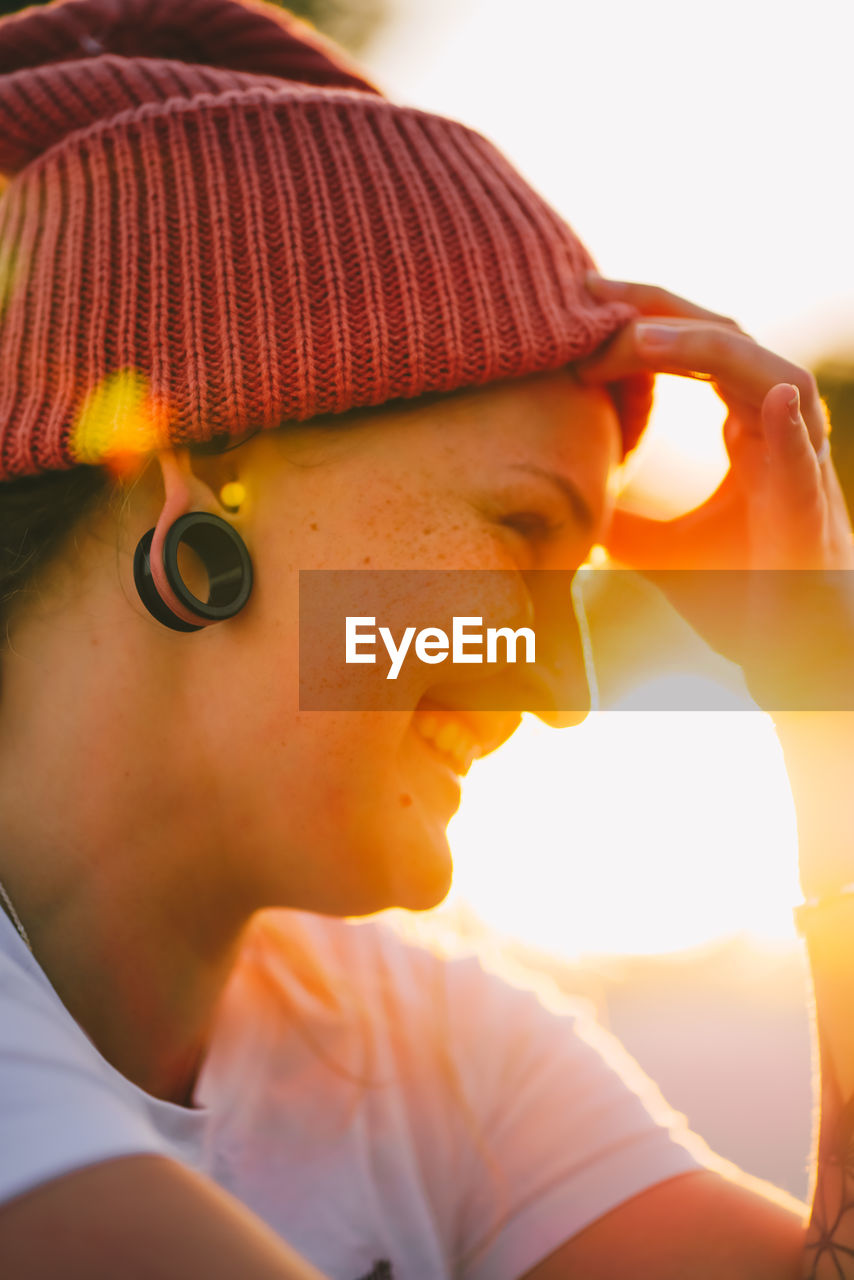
(779, 507)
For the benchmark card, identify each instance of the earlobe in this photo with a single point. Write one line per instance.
(186, 520)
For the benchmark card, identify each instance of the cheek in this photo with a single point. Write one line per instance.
(308, 781)
(346, 793)
(397, 529)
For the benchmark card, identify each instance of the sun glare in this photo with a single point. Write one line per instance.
(650, 830)
(636, 832)
(119, 420)
(665, 821)
(681, 458)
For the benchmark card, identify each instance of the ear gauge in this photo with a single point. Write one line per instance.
(217, 545)
(226, 561)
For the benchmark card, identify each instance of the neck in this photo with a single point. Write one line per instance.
(136, 924)
(145, 1002)
(147, 1006)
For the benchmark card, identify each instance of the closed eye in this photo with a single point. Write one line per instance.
(530, 524)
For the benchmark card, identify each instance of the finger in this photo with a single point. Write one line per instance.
(790, 449)
(743, 371)
(650, 299)
(747, 451)
(795, 487)
(628, 353)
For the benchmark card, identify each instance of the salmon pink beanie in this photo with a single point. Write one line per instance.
(212, 223)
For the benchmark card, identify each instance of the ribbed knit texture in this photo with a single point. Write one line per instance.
(190, 249)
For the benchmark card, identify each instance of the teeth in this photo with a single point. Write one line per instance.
(450, 737)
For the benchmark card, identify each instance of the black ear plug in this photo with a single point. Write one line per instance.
(227, 563)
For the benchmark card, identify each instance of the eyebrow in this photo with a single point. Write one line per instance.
(578, 504)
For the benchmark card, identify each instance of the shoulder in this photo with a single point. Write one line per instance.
(523, 1119)
(387, 965)
(517, 1048)
(531, 1120)
(494, 1022)
(61, 1106)
(36, 1028)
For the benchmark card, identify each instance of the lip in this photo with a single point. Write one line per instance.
(442, 770)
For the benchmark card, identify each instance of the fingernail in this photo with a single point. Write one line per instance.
(603, 284)
(795, 406)
(658, 336)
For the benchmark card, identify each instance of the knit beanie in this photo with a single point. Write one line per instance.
(212, 223)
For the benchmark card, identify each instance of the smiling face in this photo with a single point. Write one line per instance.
(345, 811)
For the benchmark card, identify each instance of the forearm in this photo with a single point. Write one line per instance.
(830, 1236)
(819, 754)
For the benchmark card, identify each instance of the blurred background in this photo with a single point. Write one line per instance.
(647, 859)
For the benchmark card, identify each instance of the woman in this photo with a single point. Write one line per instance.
(214, 228)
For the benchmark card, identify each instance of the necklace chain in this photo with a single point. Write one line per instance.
(16, 919)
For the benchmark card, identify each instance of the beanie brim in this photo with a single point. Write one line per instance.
(229, 252)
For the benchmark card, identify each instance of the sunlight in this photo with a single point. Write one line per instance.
(644, 830)
(681, 458)
(636, 832)
(648, 156)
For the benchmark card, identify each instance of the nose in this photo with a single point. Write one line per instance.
(558, 682)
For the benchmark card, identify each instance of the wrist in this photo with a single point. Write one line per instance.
(827, 911)
(818, 750)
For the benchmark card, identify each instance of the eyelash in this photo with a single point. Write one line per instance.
(530, 524)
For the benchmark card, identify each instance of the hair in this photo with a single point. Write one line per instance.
(38, 515)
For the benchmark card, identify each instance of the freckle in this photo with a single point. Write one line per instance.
(313, 525)
(367, 560)
(405, 801)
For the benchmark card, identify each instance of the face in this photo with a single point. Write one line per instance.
(344, 811)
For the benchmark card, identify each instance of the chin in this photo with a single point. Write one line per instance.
(412, 894)
(411, 869)
(412, 884)
(427, 892)
(418, 863)
(414, 869)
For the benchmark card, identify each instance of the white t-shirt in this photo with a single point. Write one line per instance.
(391, 1113)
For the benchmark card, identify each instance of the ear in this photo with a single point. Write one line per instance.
(227, 561)
(184, 488)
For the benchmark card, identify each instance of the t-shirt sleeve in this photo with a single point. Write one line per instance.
(562, 1124)
(59, 1110)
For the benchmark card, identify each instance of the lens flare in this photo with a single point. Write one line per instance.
(120, 420)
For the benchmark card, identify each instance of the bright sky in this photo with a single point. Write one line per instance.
(706, 148)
